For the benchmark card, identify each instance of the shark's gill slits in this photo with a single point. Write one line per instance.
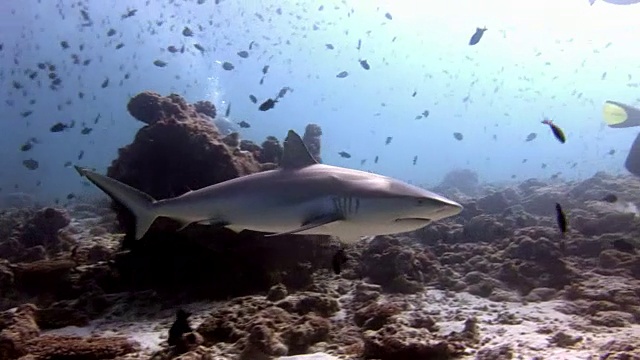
(346, 205)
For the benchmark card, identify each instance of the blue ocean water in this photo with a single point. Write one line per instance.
(560, 59)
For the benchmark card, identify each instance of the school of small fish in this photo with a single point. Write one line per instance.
(55, 74)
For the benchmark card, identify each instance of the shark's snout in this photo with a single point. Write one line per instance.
(449, 209)
(443, 208)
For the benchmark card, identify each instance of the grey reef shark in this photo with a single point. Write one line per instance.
(301, 197)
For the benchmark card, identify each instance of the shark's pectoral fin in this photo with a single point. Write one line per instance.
(312, 223)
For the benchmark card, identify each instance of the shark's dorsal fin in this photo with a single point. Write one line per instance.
(295, 154)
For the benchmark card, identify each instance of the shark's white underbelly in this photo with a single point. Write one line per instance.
(287, 218)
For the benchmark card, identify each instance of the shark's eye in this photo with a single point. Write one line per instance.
(420, 201)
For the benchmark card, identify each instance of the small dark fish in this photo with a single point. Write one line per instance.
(199, 47)
(375, 161)
(111, 32)
(359, 44)
(26, 113)
(265, 69)
(557, 132)
(329, 46)
(477, 36)
(243, 54)
(268, 104)
(253, 99)
(338, 260)
(414, 94)
(129, 13)
(228, 112)
(67, 164)
(610, 198)
(425, 114)
(415, 159)
(344, 154)
(160, 63)
(342, 75)
(243, 124)
(42, 66)
(363, 161)
(71, 196)
(388, 141)
(86, 131)
(227, 66)
(458, 136)
(119, 46)
(95, 121)
(58, 127)
(612, 152)
(531, 137)
(64, 44)
(388, 16)
(26, 146)
(30, 164)
(179, 327)
(561, 219)
(85, 15)
(623, 246)
(105, 83)
(283, 92)
(172, 49)
(187, 32)
(81, 155)
(365, 64)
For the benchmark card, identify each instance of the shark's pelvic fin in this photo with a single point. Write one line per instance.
(139, 203)
(234, 228)
(312, 223)
(295, 154)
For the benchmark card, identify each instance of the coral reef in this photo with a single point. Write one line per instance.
(311, 139)
(179, 150)
(463, 180)
(501, 273)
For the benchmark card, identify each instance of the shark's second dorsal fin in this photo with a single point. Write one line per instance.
(295, 154)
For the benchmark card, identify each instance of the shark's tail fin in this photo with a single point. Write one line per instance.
(139, 203)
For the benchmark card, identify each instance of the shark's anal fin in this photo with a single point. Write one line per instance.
(216, 222)
(183, 225)
(312, 223)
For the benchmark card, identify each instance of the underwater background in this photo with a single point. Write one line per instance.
(522, 117)
(557, 59)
